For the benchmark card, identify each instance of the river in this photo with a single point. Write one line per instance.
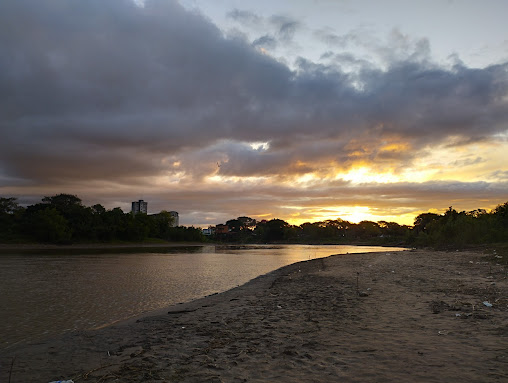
(47, 293)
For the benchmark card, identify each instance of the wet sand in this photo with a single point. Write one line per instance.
(413, 316)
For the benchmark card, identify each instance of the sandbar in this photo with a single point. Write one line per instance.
(411, 316)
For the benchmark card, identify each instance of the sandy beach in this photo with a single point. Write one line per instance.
(413, 316)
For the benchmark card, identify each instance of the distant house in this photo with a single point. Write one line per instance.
(209, 231)
(222, 229)
(139, 207)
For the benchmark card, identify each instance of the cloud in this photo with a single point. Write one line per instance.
(266, 41)
(329, 37)
(243, 16)
(286, 27)
(468, 161)
(271, 33)
(500, 175)
(110, 92)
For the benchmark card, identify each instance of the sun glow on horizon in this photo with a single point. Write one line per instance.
(323, 189)
(353, 214)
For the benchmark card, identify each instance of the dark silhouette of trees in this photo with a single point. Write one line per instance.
(423, 220)
(333, 231)
(10, 218)
(235, 226)
(64, 219)
(8, 205)
(48, 225)
(456, 229)
(272, 231)
(247, 223)
(185, 234)
(450, 229)
(161, 224)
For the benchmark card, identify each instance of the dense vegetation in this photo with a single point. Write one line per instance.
(451, 229)
(64, 219)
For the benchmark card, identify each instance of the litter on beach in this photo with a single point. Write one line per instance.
(486, 303)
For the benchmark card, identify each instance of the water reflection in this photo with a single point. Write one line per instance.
(110, 250)
(46, 293)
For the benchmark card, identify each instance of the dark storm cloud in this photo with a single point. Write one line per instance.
(117, 90)
(156, 79)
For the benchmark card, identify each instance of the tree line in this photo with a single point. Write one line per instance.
(450, 229)
(338, 231)
(63, 219)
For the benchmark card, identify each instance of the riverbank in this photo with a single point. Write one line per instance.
(402, 316)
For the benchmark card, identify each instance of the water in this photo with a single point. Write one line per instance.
(46, 294)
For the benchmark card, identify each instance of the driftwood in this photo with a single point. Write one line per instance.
(182, 311)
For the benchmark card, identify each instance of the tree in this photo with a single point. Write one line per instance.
(311, 231)
(422, 221)
(188, 234)
(273, 230)
(10, 213)
(247, 223)
(98, 209)
(79, 218)
(48, 225)
(392, 229)
(8, 205)
(115, 224)
(161, 223)
(140, 227)
(234, 225)
(241, 229)
(501, 214)
(365, 230)
(63, 202)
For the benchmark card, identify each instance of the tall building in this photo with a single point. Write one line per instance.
(139, 207)
(176, 219)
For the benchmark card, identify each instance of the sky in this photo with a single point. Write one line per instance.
(302, 110)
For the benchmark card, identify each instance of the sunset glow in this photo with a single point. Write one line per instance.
(272, 109)
(364, 175)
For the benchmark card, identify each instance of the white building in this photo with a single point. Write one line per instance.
(209, 231)
(139, 207)
(176, 219)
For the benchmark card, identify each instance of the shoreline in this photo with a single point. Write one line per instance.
(305, 322)
(155, 285)
(140, 245)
